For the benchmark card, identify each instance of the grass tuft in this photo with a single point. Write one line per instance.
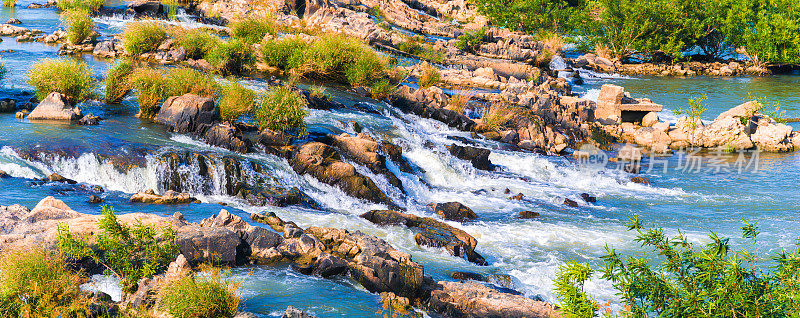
(183, 80)
(206, 294)
(281, 108)
(495, 117)
(232, 58)
(458, 102)
(150, 87)
(430, 76)
(143, 37)
(198, 43)
(88, 5)
(68, 77)
(37, 283)
(382, 89)
(236, 100)
(283, 53)
(117, 82)
(253, 30)
(79, 25)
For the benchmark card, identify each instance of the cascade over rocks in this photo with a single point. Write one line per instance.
(479, 157)
(364, 150)
(227, 137)
(324, 163)
(429, 103)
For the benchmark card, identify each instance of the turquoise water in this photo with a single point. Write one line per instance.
(529, 250)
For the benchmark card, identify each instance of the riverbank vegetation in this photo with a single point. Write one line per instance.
(209, 293)
(90, 5)
(673, 277)
(281, 109)
(235, 101)
(117, 83)
(79, 25)
(149, 84)
(197, 43)
(184, 80)
(69, 77)
(234, 57)
(765, 31)
(143, 36)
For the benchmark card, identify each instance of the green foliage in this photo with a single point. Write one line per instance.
(129, 252)
(284, 53)
(37, 283)
(207, 295)
(676, 278)
(117, 81)
(184, 80)
(3, 71)
(9, 3)
(68, 77)
(232, 58)
(768, 30)
(471, 41)
(150, 86)
(281, 108)
(430, 76)
(236, 100)
(253, 30)
(89, 5)
(569, 283)
(143, 37)
(534, 16)
(197, 43)
(80, 25)
(416, 45)
(695, 111)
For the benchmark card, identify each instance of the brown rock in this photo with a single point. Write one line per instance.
(528, 214)
(169, 197)
(54, 107)
(187, 113)
(471, 299)
(454, 211)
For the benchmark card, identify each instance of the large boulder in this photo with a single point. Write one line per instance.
(364, 150)
(227, 137)
(773, 137)
(431, 233)
(187, 113)
(472, 299)
(208, 244)
(324, 163)
(55, 107)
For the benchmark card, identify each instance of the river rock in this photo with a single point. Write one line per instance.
(55, 177)
(773, 137)
(95, 199)
(454, 211)
(146, 8)
(208, 244)
(528, 214)
(272, 138)
(169, 197)
(8, 106)
(650, 119)
(472, 299)
(187, 113)
(105, 49)
(227, 137)
(292, 312)
(324, 163)
(640, 180)
(364, 150)
(570, 203)
(429, 103)
(431, 232)
(54, 107)
(479, 157)
(4, 174)
(89, 120)
(588, 198)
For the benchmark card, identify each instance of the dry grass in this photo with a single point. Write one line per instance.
(552, 45)
(458, 102)
(495, 117)
(603, 51)
(430, 76)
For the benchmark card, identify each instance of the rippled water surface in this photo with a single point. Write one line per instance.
(529, 250)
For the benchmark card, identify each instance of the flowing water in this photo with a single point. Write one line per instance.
(125, 155)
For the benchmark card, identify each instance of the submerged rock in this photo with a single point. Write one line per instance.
(324, 163)
(169, 197)
(454, 211)
(528, 214)
(54, 107)
(89, 120)
(479, 157)
(55, 177)
(431, 233)
(292, 312)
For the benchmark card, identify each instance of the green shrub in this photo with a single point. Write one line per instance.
(281, 108)
(471, 41)
(9, 3)
(68, 77)
(37, 283)
(143, 36)
(236, 100)
(382, 89)
(206, 295)
(675, 278)
(569, 283)
(533, 16)
(342, 58)
(284, 53)
(117, 82)
(197, 43)
(150, 86)
(232, 58)
(80, 25)
(129, 252)
(252, 30)
(430, 76)
(695, 111)
(89, 5)
(183, 80)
